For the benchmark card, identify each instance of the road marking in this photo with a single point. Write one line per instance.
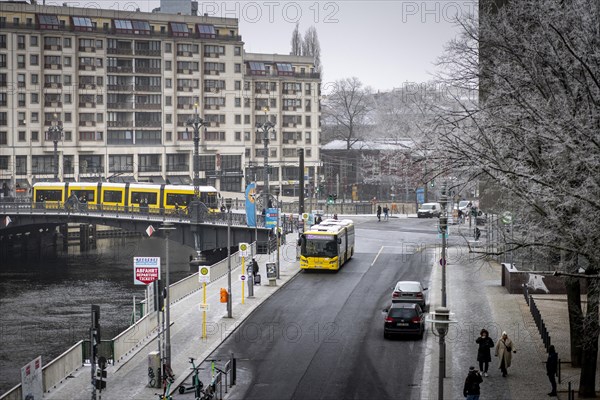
(378, 253)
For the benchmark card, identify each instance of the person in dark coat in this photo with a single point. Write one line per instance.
(552, 368)
(471, 389)
(483, 352)
(254, 267)
(378, 213)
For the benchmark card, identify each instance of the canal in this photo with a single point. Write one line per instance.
(45, 304)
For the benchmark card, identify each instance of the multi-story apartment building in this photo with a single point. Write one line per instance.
(122, 85)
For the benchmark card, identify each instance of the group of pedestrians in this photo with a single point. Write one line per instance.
(386, 212)
(504, 349)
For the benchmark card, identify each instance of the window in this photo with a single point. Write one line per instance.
(21, 99)
(67, 97)
(2, 60)
(308, 153)
(231, 183)
(67, 43)
(21, 42)
(21, 80)
(35, 136)
(167, 65)
(246, 136)
(120, 163)
(34, 59)
(99, 44)
(238, 119)
(238, 102)
(68, 117)
(2, 41)
(82, 24)
(3, 119)
(33, 41)
(168, 101)
(149, 163)
(238, 68)
(179, 29)
(169, 118)
(34, 79)
(100, 80)
(168, 83)
(206, 31)
(168, 47)
(35, 98)
(67, 61)
(67, 80)
(99, 117)
(246, 119)
(308, 121)
(22, 136)
(3, 99)
(284, 69)
(99, 99)
(257, 68)
(238, 136)
(141, 27)
(307, 137)
(46, 21)
(123, 26)
(237, 51)
(35, 117)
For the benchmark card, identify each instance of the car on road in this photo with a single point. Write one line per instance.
(429, 210)
(404, 318)
(410, 292)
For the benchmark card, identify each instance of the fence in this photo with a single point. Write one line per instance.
(537, 317)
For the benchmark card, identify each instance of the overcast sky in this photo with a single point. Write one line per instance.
(384, 43)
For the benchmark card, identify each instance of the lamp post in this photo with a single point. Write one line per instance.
(276, 190)
(441, 321)
(167, 227)
(266, 127)
(55, 134)
(443, 231)
(196, 122)
(228, 202)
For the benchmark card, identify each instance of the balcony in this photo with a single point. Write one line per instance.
(185, 54)
(87, 105)
(147, 52)
(185, 106)
(53, 104)
(120, 88)
(119, 50)
(214, 124)
(291, 108)
(148, 88)
(120, 105)
(148, 168)
(87, 49)
(212, 107)
(185, 89)
(87, 123)
(147, 106)
(289, 91)
(212, 55)
(120, 124)
(87, 67)
(309, 75)
(52, 85)
(178, 168)
(147, 124)
(262, 91)
(184, 71)
(87, 86)
(52, 66)
(258, 107)
(213, 72)
(121, 69)
(147, 70)
(53, 47)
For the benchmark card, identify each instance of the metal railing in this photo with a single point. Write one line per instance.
(537, 317)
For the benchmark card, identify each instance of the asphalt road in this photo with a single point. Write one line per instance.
(321, 336)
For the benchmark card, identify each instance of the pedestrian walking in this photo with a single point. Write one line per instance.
(255, 271)
(471, 390)
(386, 211)
(504, 350)
(552, 368)
(378, 213)
(484, 357)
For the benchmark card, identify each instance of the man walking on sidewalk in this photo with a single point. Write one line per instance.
(471, 389)
(551, 368)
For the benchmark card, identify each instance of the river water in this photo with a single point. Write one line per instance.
(45, 306)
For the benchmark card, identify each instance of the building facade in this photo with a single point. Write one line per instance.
(121, 86)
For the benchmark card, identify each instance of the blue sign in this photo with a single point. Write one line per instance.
(271, 218)
(251, 205)
(420, 195)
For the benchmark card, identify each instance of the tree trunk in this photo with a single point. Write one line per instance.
(587, 380)
(568, 261)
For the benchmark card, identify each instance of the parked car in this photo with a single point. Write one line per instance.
(429, 210)
(404, 318)
(410, 292)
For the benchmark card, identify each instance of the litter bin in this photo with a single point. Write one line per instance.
(154, 380)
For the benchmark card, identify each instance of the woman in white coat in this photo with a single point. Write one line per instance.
(504, 350)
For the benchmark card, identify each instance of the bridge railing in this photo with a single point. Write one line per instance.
(152, 214)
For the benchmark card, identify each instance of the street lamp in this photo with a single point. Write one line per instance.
(196, 122)
(265, 127)
(167, 227)
(440, 321)
(443, 231)
(276, 191)
(55, 134)
(228, 203)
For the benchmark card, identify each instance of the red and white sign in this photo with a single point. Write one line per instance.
(150, 230)
(146, 270)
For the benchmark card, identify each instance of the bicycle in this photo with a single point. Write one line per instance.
(197, 384)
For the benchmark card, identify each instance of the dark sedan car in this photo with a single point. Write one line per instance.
(404, 318)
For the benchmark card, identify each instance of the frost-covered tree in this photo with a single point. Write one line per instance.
(346, 110)
(296, 41)
(535, 137)
(311, 47)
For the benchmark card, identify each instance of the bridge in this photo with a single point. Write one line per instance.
(26, 220)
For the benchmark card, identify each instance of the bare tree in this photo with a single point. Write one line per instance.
(346, 110)
(312, 47)
(296, 41)
(534, 135)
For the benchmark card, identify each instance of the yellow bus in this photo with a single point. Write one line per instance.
(327, 245)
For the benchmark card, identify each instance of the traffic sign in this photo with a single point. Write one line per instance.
(203, 306)
(243, 278)
(443, 261)
(204, 274)
(506, 218)
(150, 230)
(244, 249)
(305, 216)
(146, 270)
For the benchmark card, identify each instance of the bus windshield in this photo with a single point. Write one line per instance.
(323, 246)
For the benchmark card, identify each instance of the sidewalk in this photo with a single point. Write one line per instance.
(128, 379)
(477, 300)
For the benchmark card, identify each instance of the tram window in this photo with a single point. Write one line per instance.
(149, 198)
(87, 195)
(113, 196)
(48, 195)
(180, 199)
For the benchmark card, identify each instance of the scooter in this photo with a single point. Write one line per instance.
(197, 384)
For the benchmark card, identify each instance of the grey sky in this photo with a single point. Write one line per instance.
(383, 43)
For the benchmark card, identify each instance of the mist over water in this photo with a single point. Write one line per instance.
(45, 306)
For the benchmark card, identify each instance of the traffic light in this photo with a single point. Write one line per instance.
(432, 183)
(334, 197)
(224, 295)
(101, 374)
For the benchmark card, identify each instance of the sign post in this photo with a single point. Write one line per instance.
(32, 379)
(145, 270)
(244, 249)
(204, 278)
